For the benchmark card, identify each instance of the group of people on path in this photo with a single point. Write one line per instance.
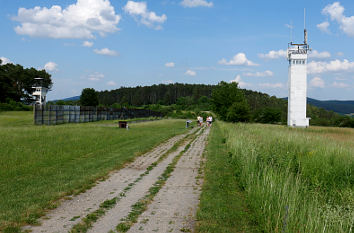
(200, 120)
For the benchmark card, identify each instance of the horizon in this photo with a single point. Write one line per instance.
(107, 44)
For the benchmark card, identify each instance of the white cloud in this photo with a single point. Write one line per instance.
(111, 83)
(331, 66)
(241, 83)
(324, 27)
(336, 13)
(170, 64)
(106, 51)
(87, 44)
(5, 60)
(80, 20)
(239, 59)
(191, 73)
(274, 54)
(340, 85)
(339, 54)
(51, 66)
(319, 55)
(317, 82)
(271, 85)
(196, 3)
(96, 76)
(148, 18)
(266, 73)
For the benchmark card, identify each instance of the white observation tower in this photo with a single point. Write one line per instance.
(40, 92)
(297, 101)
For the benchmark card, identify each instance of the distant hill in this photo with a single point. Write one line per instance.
(344, 107)
(68, 101)
(338, 106)
(74, 98)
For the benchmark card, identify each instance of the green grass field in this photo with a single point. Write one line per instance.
(41, 164)
(267, 178)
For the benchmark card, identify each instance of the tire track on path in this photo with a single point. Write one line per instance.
(70, 212)
(175, 206)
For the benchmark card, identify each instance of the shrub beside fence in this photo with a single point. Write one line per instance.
(60, 114)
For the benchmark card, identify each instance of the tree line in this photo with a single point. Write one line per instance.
(226, 99)
(155, 94)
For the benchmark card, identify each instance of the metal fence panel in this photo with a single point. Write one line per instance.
(58, 114)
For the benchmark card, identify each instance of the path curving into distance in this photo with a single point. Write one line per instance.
(103, 207)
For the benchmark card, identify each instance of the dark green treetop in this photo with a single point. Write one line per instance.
(89, 97)
(229, 102)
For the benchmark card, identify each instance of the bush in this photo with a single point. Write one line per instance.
(347, 122)
(14, 106)
(268, 115)
(238, 112)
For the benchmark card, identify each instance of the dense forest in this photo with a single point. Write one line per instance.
(156, 94)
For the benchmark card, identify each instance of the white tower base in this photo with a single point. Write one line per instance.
(297, 101)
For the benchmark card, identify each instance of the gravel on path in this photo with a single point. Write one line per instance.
(175, 206)
(110, 220)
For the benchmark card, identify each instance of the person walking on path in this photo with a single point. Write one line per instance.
(200, 120)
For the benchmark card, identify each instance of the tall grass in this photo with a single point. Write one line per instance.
(40, 164)
(223, 208)
(294, 180)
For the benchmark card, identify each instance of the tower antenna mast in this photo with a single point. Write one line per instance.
(291, 31)
(305, 31)
(305, 18)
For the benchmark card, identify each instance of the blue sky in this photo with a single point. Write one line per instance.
(106, 44)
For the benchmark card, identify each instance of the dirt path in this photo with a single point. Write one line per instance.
(109, 221)
(174, 207)
(70, 212)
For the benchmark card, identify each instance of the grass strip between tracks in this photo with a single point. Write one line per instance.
(139, 207)
(87, 222)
